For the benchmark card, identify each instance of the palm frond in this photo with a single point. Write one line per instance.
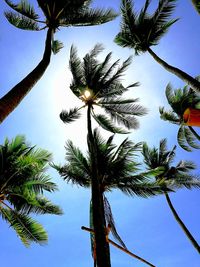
(185, 166)
(89, 18)
(169, 116)
(107, 124)
(22, 22)
(27, 229)
(56, 46)
(76, 157)
(145, 189)
(76, 68)
(181, 138)
(70, 116)
(40, 205)
(24, 8)
(190, 138)
(41, 184)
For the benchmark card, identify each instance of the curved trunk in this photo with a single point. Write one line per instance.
(194, 132)
(193, 83)
(182, 225)
(12, 99)
(102, 246)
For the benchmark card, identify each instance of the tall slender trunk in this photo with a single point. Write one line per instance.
(193, 83)
(102, 246)
(182, 225)
(194, 132)
(12, 99)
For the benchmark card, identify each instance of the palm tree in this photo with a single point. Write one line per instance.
(196, 4)
(22, 184)
(117, 168)
(176, 177)
(180, 101)
(141, 30)
(97, 84)
(62, 13)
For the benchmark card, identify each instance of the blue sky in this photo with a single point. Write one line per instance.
(146, 225)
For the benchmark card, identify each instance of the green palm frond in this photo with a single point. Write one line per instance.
(26, 228)
(145, 189)
(40, 205)
(107, 124)
(70, 116)
(190, 138)
(56, 46)
(40, 184)
(76, 157)
(24, 8)
(169, 116)
(185, 166)
(181, 138)
(22, 22)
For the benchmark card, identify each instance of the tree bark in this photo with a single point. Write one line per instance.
(182, 225)
(12, 99)
(102, 246)
(193, 83)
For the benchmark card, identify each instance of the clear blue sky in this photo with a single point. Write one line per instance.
(146, 225)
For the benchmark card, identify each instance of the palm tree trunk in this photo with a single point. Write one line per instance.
(12, 99)
(193, 83)
(102, 246)
(194, 132)
(182, 225)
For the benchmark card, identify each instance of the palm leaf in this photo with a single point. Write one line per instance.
(191, 140)
(41, 205)
(22, 22)
(106, 124)
(89, 18)
(145, 189)
(181, 138)
(76, 158)
(40, 184)
(169, 116)
(24, 8)
(56, 46)
(27, 229)
(70, 116)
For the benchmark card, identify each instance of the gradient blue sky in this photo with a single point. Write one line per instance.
(146, 225)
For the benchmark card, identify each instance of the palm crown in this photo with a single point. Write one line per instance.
(57, 14)
(117, 169)
(98, 84)
(175, 176)
(180, 100)
(141, 30)
(22, 184)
